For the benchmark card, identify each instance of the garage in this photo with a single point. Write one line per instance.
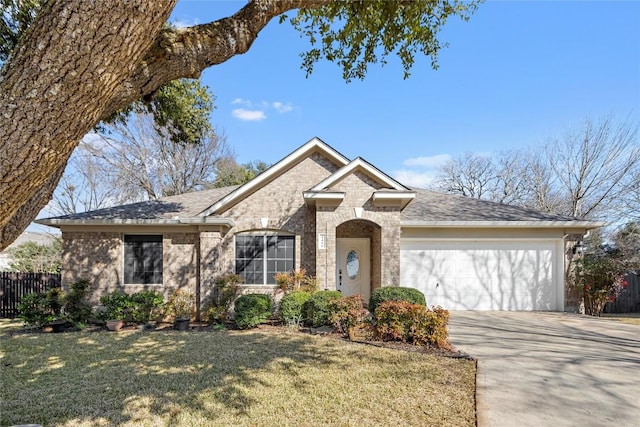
(515, 275)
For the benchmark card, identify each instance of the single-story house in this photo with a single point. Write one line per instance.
(345, 221)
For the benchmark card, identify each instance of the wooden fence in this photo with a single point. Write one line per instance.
(629, 299)
(14, 286)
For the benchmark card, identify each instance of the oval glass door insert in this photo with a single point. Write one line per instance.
(353, 264)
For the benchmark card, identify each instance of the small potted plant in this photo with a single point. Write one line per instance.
(116, 304)
(182, 303)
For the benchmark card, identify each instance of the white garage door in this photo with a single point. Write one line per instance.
(482, 275)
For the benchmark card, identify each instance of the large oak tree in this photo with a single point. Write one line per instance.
(80, 62)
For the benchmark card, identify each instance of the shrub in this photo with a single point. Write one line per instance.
(296, 280)
(76, 307)
(317, 309)
(35, 310)
(430, 328)
(599, 280)
(224, 292)
(413, 323)
(40, 309)
(55, 301)
(144, 303)
(347, 312)
(394, 293)
(118, 305)
(291, 307)
(253, 309)
(181, 303)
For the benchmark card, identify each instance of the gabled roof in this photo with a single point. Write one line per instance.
(392, 191)
(313, 145)
(362, 165)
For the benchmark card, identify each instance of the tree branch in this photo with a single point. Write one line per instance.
(186, 52)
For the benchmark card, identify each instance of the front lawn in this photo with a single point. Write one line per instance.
(258, 378)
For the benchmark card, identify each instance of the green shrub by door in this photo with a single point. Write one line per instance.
(395, 293)
(253, 309)
(317, 309)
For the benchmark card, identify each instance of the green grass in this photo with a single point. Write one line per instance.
(256, 378)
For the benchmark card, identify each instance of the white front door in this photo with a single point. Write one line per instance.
(353, 268)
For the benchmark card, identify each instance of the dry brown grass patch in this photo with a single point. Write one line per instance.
(258, 378)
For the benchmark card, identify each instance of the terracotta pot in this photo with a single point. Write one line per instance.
(114, 324)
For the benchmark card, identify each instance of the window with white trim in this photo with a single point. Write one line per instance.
(143, 259)
(260, 257)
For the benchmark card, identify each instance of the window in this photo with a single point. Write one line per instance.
(259, 258)
(142, 259)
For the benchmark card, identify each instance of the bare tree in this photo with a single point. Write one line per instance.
(631, 199)
(591, 172)
(591, 164)
(133, 161)
(85, 186)
(470, 175)
(512, 183)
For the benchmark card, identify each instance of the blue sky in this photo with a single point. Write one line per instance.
(515, 74)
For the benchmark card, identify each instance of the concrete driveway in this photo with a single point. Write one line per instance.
(551, 369)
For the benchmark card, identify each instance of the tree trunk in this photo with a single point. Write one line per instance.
(80, 62)
(54, 90)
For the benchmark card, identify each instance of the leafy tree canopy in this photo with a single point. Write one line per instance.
(354, 34)
(228, 172)
(32, 257)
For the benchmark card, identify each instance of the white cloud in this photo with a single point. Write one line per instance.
(249, 115)
(255, 111)
(417, 179)
(430, 162)
(282, 107)
(421, 171)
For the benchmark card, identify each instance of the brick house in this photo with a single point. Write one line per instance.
(344, 221)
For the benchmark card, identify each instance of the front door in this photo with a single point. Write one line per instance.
(353, 268)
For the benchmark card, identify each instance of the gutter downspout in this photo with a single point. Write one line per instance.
(198, 277)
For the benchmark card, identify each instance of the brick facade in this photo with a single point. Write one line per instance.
(343, 221)
(195, 254)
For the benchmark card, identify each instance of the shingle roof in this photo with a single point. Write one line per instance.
(433, 206)
(186, 205)
(428, 206)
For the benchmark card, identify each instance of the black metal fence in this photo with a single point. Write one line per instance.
(14, 286)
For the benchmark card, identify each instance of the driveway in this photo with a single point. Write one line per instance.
(551, 369)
